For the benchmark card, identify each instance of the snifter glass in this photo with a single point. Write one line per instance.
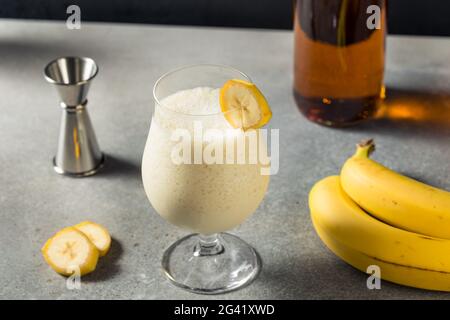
(204, 198)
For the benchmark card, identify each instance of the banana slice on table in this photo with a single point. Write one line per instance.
(243, 105)
(98, 235)
(69, 251)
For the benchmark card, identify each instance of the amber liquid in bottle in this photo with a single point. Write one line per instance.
(339, 61)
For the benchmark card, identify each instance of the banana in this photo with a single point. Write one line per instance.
(98, 235)
(407, 276)
(69, 251)
(404, 257)
(393, 198)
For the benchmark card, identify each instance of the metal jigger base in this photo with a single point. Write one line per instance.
(79, 174)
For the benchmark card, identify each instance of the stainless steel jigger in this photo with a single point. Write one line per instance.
(78, 152)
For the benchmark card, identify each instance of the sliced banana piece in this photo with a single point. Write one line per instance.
(98, 235)
(69, 251)
(243, 105)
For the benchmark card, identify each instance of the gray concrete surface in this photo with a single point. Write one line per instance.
(35, 202)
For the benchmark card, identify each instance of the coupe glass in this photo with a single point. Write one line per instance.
(207, 199)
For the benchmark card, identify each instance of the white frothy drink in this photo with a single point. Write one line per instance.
(204, 198)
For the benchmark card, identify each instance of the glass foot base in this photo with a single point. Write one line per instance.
(211, 264)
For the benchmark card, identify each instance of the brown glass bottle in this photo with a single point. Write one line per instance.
(339, 60)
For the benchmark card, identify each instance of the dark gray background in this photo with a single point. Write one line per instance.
(422, 17)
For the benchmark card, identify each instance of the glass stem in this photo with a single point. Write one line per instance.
(208, 245)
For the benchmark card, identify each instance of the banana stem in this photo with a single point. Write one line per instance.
(365, 148)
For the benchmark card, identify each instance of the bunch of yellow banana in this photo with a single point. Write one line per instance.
(406, 234)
